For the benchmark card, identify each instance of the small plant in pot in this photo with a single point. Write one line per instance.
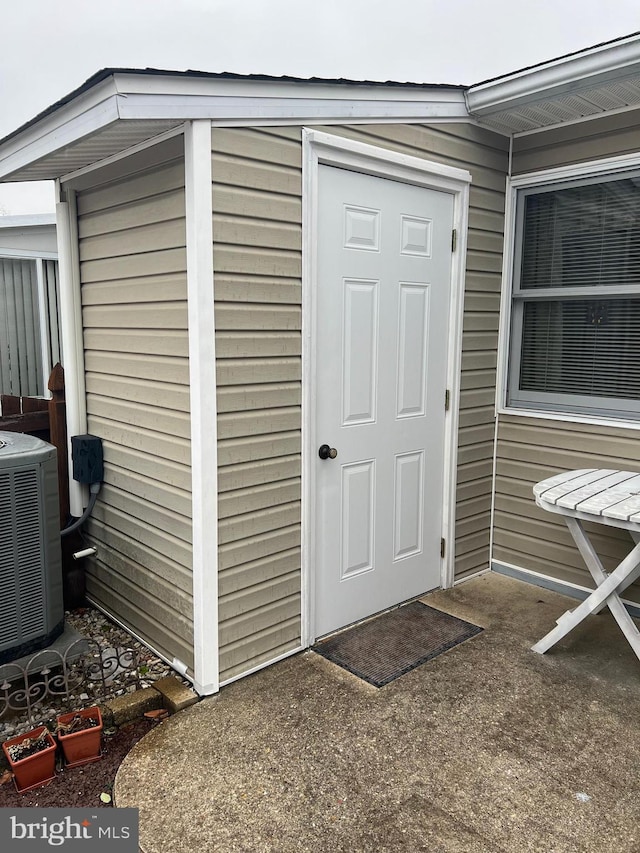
(80, 735)
(32, 758)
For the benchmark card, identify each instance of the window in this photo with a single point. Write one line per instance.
(29, 336)
(575, 321)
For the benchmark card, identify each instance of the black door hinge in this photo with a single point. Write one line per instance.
(443, 546)
(454, 239)
(447, 400)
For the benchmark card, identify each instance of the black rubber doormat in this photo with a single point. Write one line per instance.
(384, 648)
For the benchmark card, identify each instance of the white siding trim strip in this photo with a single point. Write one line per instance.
(71, 334)
(202, 372)
(553, 584)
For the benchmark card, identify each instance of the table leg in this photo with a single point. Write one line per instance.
(591, 559)
(605, 595)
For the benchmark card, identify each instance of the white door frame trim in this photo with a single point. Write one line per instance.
(320, 148)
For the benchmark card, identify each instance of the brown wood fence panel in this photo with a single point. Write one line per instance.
(46, 419)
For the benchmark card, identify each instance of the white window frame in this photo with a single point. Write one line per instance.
(612, 166)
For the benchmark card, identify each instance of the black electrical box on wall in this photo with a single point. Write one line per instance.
(86, 454)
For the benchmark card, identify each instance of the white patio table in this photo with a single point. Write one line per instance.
(605, 497)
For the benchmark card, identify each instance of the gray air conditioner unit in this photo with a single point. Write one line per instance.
(31, 608)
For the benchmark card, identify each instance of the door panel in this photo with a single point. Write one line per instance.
(409, 488)
(360, 351)
(357, 522)
(412, 349)
(384, 268)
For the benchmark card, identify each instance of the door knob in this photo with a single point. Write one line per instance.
(326, 452)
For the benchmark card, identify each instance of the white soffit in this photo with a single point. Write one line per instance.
(127, 108)
(596, 81)
(90, 149)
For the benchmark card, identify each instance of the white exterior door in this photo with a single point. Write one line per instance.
(384, 278)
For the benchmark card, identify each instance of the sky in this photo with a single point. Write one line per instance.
(52, 46)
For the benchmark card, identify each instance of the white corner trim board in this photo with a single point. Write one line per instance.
(202, 375)
(328, 149)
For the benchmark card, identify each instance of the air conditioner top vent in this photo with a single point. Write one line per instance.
(16, 448)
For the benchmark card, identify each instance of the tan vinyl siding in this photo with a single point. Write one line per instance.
(485, 155)
(257, 253)
(257, 262)
(596, 139)
(531, 449)
(133, 272)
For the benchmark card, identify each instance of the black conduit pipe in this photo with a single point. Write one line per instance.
(94, 488)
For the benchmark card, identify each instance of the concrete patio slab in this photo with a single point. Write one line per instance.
(488, 747)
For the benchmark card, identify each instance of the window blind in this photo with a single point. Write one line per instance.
(580, 346)
(20, 351)
(585, 236)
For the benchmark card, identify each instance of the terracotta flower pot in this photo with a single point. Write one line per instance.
(34, 770)
(83, 746)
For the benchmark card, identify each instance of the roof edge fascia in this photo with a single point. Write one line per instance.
(91, 111)
(130, 82)
(127, 95)
(573, 73)
(66, 109)
(238, 100)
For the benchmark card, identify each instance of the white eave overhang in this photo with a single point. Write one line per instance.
(597, 81)
(29, 220)
(128, 108)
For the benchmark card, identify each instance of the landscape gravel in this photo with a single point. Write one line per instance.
(112, 640)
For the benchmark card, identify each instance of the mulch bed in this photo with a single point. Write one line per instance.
(81, 787)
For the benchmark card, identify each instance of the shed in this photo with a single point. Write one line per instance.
(281, 311)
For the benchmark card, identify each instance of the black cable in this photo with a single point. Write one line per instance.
(94, 488)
